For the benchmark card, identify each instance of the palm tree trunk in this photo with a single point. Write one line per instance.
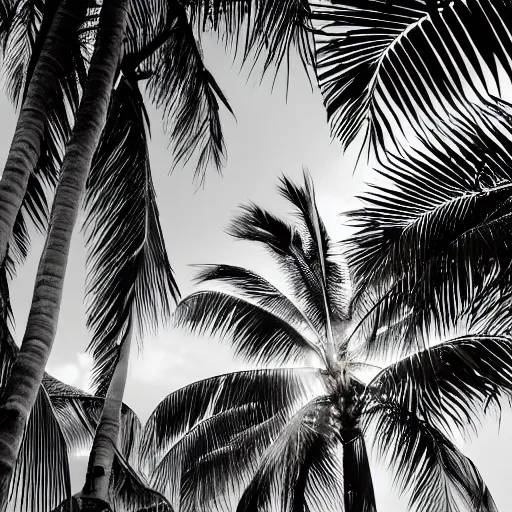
(107, 433)
(27, 372)
(30, 130)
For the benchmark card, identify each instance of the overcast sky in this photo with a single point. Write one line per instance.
(268, 137)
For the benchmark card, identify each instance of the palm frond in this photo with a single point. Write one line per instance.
(216, 479)
(392, 65)
(286, 246)
(266, 30)
(426, 464)
(208, 435)
(332, 274)
(455, 382)
(256, 288)
(130, 490)
(188, 94)
(130, 280)
(41, 479)
(426, 238)
(256, 334)
(282, 476)
(273, 390)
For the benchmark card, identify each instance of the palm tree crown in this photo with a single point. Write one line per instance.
(295, 437)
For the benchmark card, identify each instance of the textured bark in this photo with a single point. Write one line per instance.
(27, 372)
(29, 135)
(107, 433)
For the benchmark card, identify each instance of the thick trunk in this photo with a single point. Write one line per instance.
(107, 434)
(29, 135)
(27, 372)
(359, 495)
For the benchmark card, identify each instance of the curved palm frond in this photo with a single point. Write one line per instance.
(274, 390)
(254, 287)
(333, 274)
(208, 435)
(129, 276)
(41, 478)
(181, 85)
(426, 464)
(392, 65)
(453, 383)
(432, 237)
(286, 245)
(256, 334)
(265, 29)
(282, 476)
(217, 478)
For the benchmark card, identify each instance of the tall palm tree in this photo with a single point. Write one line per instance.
(197, 103)
(26, 374)
(295, 437)
(195, 90)
(386, 67)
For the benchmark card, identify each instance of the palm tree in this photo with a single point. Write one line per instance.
(388, 67)
(26, 374)
(295, 437)
(195, 89)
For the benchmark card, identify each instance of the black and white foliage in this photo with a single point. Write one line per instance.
(295, 439)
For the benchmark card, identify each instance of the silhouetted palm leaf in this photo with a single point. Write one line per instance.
(390, 65)
(432, 237)
(426, 464)
(453, 383)
(274, 390)
(255, 334)
(281, 479)
(129, 279)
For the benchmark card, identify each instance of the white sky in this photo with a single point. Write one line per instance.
(268, 138)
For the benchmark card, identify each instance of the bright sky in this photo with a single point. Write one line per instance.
(268, 137)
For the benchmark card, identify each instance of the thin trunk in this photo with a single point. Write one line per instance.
(106, 439)
(30, 130)
(27, 372)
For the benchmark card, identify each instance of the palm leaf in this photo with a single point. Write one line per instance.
(426, 237)
(269, 29)
(129, 276)
(284, 469)
(273, 390)
(426, 463)
(256, 288)
(440, 384)
(206, 436)
(188, 94)
(286, 245)
(392, 65)
(41, 477)
(255, 334)
(217, 478)
(333, 274)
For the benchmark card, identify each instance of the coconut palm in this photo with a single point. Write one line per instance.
(384, 67)
(26, 374)
(198, 106)
(295, 438)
